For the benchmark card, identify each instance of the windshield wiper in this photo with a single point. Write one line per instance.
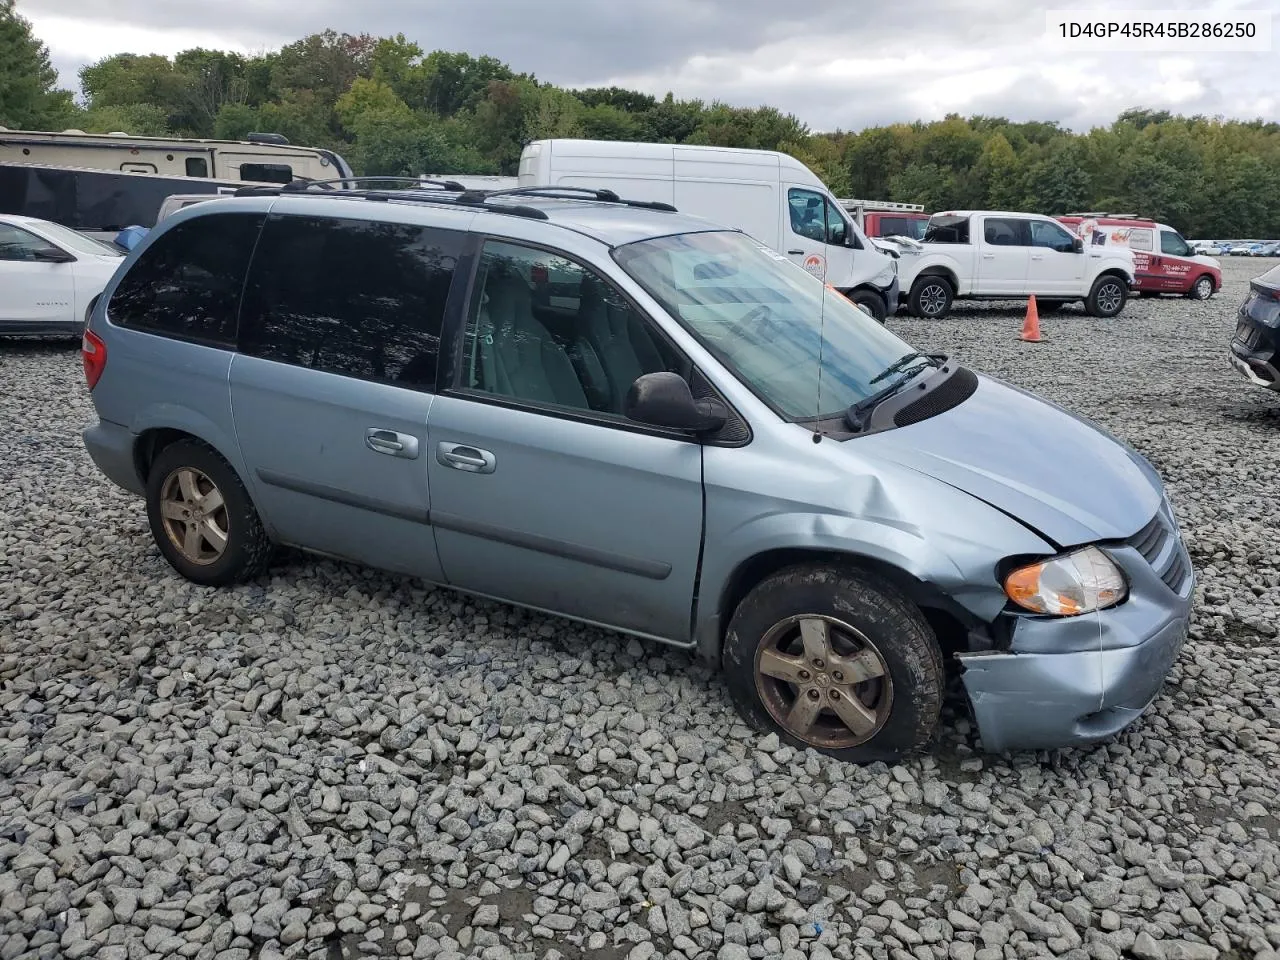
(902, 362)
(856, 412)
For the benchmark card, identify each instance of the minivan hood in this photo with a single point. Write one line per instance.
(1031, 459)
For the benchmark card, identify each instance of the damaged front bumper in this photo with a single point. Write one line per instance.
(1069, 681)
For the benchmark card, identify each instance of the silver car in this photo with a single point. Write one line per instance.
(620, 414)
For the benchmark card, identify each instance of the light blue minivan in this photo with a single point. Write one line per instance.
(613, 412)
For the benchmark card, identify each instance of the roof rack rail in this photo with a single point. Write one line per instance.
(450, 191)
(586, 193)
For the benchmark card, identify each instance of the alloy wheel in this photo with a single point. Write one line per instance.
(823, 681)
(933, 299)
(1110, 296)
(194, 514)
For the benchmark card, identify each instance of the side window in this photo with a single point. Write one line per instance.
(1140, 240)
(1005, 232)
(1046, 234)
(545, 329)
(947, 229)
(197, 167)
(353, 297)
(1172, 244)
(18, 244)
(266, 172)
(188, 283)
(808, 214)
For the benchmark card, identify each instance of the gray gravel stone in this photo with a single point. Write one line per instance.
(334, 751)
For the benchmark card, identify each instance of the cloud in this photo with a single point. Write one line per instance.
(832, 63)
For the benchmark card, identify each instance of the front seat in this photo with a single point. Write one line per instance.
(611, 332)
(518, 356)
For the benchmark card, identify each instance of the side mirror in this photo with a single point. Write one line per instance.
(665, 400)
(52, 255)
(1078, 245)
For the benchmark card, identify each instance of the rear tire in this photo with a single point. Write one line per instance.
(872, 301)
(836, 659)
(1202, 289)
(931, 297)
(1108, 296)
(202, 518)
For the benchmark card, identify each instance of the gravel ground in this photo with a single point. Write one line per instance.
(338, 763)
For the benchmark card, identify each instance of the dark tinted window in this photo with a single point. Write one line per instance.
(1006, 232)
(352, 297)
(197, 167)
(188, 284)
(944, 229)
(902, 227)
(266, 172)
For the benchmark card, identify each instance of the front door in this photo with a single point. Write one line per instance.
(32, 291)
(1054, 266)
(1004, 257)
(813, 236)
(331, 390)
(1175, 270)
(543, 494)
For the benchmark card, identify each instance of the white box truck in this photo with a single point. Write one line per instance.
(769, 195)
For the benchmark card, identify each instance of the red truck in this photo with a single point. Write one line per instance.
(884, 218)
(1163, 261)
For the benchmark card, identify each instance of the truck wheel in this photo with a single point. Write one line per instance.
(202, 518)
(931, 297)
(872, 301)
(835, 659)
(1108, 296)
(1202, 289)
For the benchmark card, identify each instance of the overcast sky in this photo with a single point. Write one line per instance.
(834, 63)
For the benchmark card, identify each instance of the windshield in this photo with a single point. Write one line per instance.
(903, 227)
(767, 320)
(77, 241)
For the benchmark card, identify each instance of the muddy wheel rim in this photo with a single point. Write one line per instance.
(194, 515)
(1204, 288)
(1109, 297)
(823, 681)
(933, 299)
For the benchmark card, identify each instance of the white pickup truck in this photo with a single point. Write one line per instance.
(995, 255)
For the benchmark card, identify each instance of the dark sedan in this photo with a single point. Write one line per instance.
(1255, 348)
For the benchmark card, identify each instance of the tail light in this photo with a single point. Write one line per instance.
(94, 354)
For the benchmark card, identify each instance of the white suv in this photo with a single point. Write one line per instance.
(993, 255)
(50, 276)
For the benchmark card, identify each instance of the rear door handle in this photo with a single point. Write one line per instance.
(391, 443)
(469, 459)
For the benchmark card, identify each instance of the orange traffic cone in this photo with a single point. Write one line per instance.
(1031, 325)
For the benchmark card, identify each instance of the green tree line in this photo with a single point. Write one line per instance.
(392, 108)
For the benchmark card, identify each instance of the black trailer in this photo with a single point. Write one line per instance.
(95, 201)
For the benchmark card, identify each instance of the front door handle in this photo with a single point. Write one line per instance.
(988, 256)
(469, 459)
(391, 443)
(795, 253)
(1037, 256)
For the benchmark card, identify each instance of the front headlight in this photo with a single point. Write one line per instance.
(1069, 585)
(885, 276)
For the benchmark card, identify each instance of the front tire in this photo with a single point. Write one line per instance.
(931, 297)
(202, 519)
(1202, 289)
(872, 301)
(836, 659)
(1108, 296)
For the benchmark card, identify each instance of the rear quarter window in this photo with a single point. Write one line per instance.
(359, 298)
(187, 284)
